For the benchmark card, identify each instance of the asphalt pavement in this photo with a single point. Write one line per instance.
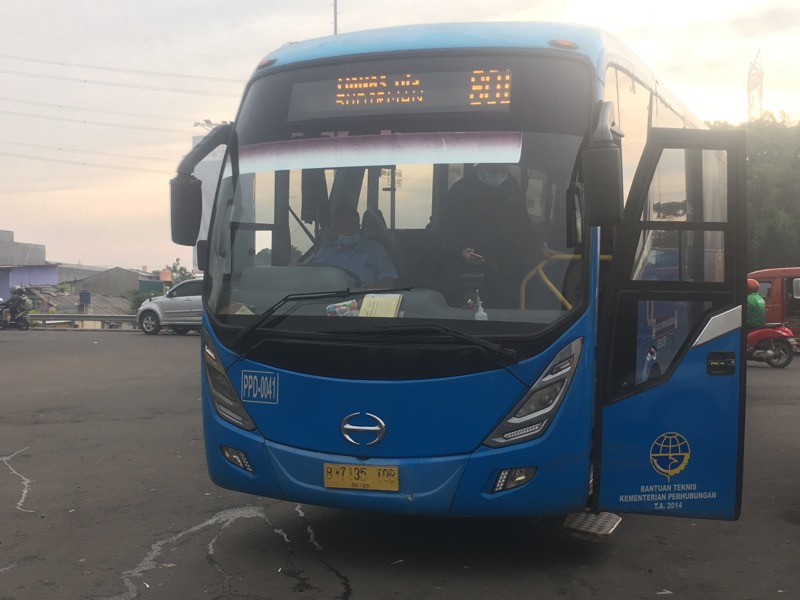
(104, 495)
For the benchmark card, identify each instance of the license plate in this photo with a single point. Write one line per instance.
(361, 477)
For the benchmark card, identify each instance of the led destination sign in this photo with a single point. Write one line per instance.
(479, 90)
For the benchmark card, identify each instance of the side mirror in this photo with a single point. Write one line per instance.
(602, 185)
(186, 209)
(602, 171)
(796, 288)
(186, 196)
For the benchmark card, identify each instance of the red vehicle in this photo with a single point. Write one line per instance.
(773, 344)
(780, 289)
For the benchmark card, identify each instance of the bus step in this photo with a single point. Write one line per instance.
(590, 526)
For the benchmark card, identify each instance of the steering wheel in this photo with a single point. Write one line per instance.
(356, 279)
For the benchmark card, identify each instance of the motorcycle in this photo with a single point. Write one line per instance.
(774, 344)
(19, 320)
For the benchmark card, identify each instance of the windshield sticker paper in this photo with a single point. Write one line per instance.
(260, 386)
(669, 456)
(360, 150)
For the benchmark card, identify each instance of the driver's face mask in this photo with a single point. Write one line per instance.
(349, 240)
(492, 178)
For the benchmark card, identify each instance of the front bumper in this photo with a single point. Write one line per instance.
(459, 485)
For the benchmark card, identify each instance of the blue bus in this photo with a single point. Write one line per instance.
(570, 347)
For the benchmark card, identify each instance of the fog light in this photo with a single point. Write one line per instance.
(512, 478)
(236, 457)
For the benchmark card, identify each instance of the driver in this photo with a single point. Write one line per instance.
(488, 236)
(367, 259)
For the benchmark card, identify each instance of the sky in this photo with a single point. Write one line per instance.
(100, 99)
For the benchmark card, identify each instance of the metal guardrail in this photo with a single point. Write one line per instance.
(80, 317)
(104, 319)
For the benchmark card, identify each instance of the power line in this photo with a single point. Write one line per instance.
(118, 84)
(122, 70)
(85, 164)
(97, 110)
(100, 123)
(61, 149)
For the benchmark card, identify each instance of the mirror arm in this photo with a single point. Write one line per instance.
(605, 134)
(602, 132)
(216, 137)
(186, 193)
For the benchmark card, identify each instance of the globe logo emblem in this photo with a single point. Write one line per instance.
(669, 454)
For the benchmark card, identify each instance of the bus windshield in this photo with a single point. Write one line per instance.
(432, 183)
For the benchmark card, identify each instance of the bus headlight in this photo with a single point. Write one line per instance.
(223, 395)
(540, 400)
(531, 416)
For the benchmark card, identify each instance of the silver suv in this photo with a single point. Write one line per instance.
(180, 309)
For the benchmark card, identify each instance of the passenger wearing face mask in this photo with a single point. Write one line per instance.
(488, 240)
(366, 259)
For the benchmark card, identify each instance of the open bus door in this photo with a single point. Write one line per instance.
(671, 371)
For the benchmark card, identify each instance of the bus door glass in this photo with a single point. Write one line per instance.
(670, 398)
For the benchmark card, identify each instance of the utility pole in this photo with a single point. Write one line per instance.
(755, 89)
(335, 18)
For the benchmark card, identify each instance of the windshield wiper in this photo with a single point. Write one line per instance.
(496, 349)
(263, 318)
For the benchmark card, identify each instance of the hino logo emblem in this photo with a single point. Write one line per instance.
(375, 428)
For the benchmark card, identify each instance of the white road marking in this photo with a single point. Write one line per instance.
(312, 538)
(224, 518)
(26, 483)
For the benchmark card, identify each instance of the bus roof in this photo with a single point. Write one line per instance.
(589, 42)
(598, 46)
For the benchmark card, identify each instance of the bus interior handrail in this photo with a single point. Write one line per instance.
(539, 270)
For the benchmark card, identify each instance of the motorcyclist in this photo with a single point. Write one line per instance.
(756, 308)
(12, 306)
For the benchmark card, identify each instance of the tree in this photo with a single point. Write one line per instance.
(264, 256)
(179, 272)
(773, 194)
(136, 298)
(773, 191)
